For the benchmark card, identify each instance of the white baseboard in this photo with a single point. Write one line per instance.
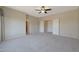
(21, 35)
(14, 36)
(75, 37)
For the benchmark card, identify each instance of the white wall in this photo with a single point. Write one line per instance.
(69, 23)
(34, 24)
(14, 23)
(78, 22)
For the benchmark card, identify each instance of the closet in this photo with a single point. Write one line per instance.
(2, 35)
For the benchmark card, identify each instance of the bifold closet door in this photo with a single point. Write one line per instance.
(56, 26)
(42, 26)
(45, 26)
(0, 26)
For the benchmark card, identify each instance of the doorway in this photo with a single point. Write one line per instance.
(45, 26)
(27, 27)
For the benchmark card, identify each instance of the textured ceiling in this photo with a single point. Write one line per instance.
(30, 10)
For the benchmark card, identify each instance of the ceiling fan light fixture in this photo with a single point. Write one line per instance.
(43, 9)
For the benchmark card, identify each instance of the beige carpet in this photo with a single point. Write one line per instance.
(40, 43)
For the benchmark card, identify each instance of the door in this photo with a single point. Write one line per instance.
(0, 26)
(27, 27)
(41, 26)
(45, 26)
(56, 26)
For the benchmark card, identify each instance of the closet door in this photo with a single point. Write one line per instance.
(2, 29)
(42, 26)
(56, 26)
(45, 26)
(0, 26)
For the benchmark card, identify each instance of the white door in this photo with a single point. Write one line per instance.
(56, 26)
(41, 26)
(0, 27)
(2, 34)
(45, 26)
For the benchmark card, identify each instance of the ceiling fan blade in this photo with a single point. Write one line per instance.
(37, 10)
(45, 12)
(48, 9)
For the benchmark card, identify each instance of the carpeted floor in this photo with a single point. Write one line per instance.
(40, 43)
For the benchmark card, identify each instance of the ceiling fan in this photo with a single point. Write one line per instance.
(43, 9)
